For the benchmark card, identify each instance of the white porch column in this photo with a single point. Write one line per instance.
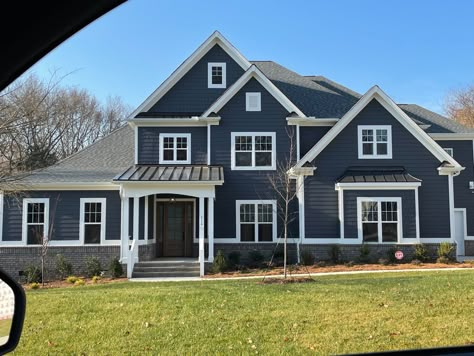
(136, 212)
(451, 206)
(210, 229)
(124, 229)
(201, 236)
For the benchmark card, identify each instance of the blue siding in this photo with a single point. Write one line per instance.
(241, 185)
(321, 201)
(463, 196)
(309, 136)
(408, 209)
(191, 94)
(64, 214)
(149, 143)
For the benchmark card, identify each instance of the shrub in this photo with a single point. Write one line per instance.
(220, 262)
(364, 252)
(95, 279)
(349, 264)
(233, 258)
(420, 252)
(71, 279)
(391, 254)
(93, 267)
(79, 282)
(34, 285)
(307, 258)
(335, 253)
(115, 268)
(416, 262)
(63, 267)
(32, 274)
(256, 258)
(321, 264)
(384, 261)
(446, 250)
(443, 259)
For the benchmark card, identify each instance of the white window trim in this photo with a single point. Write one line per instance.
(27, 201)
(253, 167)
(248, 96)
(449, 151)
(103, 220)
(238, 203)
(398, 200)
(375, 155)
(174, 136)
(209, 75)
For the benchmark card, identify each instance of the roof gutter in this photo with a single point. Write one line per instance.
(169, 121)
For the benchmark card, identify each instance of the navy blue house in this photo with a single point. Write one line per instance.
(189, 174)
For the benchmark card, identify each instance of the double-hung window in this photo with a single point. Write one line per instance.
(374, 141)
(92, 218)
(216, 75)
(35, 220)
(175, 148)
(253, 151)
(256, 220)
(379, 219)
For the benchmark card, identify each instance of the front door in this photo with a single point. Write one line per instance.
(175, 229)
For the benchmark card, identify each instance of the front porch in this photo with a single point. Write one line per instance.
(164, 215)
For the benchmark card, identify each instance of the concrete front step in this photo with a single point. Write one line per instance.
(167, 265)
(165, 274)
(166, 269)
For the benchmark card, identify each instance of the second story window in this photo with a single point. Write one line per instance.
(253, 151)
(216, 75)
(374, 141)
(175, 148)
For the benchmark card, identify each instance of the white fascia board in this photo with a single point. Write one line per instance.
(376, 93)
(253, 72)
(70, 186)
(174, 122)
(377, 186)
(452, 136)
(215, 38)
(312, 121)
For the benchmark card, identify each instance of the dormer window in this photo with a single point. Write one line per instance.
(216, 75)
(253, 102)
(374, 141)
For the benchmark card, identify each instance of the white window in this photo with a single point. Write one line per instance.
(253, 102)
(175, 148)
(379, 219)
(92, 220)
(375, 141)
(216, 75)
(256, 220)
(253, 151)
(449, 151)
(35, 220)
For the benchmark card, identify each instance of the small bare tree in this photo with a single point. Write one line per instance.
(283, 184)
(459, 105)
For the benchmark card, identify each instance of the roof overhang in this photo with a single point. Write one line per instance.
(452, 136)
(189, 121)
(64, 186)
(377, 186)
(312, 121)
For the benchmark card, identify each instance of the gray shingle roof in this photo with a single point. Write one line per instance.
(99, 162)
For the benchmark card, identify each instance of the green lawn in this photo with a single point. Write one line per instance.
(335, 314)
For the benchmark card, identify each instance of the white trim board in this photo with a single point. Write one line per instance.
(376, 93)
(253, 72)
(378, 186)
(215, 38)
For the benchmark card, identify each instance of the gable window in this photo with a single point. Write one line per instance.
(92, 217)
(449, 151)
(379, 219)
(35, 220)
(216, 75)
(253, 150)
(175, 148)
(253, 102)
(375, 141)
(256, 220)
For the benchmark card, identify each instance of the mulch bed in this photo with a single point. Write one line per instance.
(88, 281)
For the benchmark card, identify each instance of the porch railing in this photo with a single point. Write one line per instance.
(132, 257)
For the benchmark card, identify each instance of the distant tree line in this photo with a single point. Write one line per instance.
(43, 121)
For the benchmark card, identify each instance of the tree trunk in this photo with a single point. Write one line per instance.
(284, 251)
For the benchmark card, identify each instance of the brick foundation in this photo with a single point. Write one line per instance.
(468, 248)
(147, 252)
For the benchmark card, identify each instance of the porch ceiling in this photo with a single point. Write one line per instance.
(172, 174)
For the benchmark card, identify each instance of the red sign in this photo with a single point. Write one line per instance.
(398, 255)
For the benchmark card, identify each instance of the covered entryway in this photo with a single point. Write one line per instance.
(174, 228)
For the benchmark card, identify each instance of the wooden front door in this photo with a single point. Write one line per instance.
(175, 229)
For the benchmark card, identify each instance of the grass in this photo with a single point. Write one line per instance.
(336, 314)
(5, 326)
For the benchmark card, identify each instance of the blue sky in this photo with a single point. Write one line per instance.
(416, 51)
